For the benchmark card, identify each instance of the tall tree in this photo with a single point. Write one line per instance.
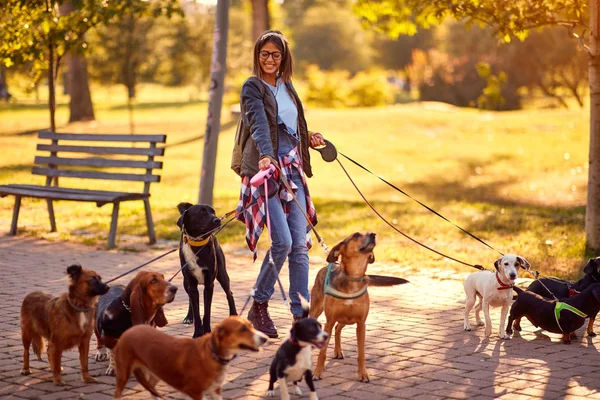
(260, 17)
(80, 105)
(34, 31)
(513, 18)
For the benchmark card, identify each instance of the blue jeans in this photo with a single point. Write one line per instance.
(289, 241)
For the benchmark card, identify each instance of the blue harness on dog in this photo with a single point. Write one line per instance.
(330, 290)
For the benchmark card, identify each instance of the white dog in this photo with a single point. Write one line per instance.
(493, 289)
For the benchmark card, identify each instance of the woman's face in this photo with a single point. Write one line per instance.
(269, 58)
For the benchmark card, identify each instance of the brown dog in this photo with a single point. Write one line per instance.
(344, 299)
(141, 302)
(65, 321)
(192, 366)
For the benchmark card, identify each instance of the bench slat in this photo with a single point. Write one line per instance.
(153, 151)
(98, 162)
(95, 175)
(102, 137)
(54, 193)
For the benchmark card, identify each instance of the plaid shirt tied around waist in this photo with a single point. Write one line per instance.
(251, 207)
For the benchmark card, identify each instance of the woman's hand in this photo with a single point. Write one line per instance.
(264, 163)
(317, 140)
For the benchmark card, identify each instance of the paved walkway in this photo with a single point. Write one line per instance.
(416, 347)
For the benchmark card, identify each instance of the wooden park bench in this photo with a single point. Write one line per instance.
(75, 155)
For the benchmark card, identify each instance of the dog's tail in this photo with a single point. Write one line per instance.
(382, 280)
(305, 306)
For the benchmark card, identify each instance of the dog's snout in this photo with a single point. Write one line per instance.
(512, 275)
(325, 335)
(173, 289)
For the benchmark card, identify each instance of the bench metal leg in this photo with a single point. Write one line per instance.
(13, 225)
(149, 222)
(112, 235)
(51, 214)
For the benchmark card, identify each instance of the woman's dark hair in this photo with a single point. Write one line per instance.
(277, 38)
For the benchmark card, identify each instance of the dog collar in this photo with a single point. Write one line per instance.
(79, 307)
(296, 343)
(559, 306)
(192, 241)
(126, 306)
(330, 290)
(503, 286)
(216, 357)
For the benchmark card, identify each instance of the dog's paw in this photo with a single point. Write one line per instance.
(188, 320)
(25, 371)
(317, 374)
(591, 334)
(487, 332)
(364, 377)
(504, 336)
(480, 323)
(89, 379)
(270, 393)
(102, 355)
(338, 355)
(198, 334)
(297, 390)
(110, 371)
(467, 326)
(59, 382)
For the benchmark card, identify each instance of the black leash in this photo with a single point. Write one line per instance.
(143, 265)
(417, 201)
(477, 266)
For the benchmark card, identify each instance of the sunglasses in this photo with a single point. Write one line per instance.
(264, 55)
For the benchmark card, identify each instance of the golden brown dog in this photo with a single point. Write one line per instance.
(65, 321)
(141, 302)
(192, 366)
(344, 296)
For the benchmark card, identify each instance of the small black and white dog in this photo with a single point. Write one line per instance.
(204, 259)
(293, 360)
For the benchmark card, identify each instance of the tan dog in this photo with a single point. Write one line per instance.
(65, 321)
(347, 279)
(141, 302)
(192, 366)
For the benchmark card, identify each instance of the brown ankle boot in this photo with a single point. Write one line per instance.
(261, 320)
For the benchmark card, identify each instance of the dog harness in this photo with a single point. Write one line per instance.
(559, 306)
(330, 290)
(503, 286)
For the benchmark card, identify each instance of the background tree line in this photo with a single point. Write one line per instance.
(339, 62)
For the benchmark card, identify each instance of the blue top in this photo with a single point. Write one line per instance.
(287, 114)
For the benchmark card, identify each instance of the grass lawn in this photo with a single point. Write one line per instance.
(515, 179)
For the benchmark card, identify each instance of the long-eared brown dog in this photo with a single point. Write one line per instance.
(342, 294)
(65, 321)
(192, 366)
(140, 302)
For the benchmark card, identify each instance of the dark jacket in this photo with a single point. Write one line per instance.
(259, 115)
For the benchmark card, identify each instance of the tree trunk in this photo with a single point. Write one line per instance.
(51, 87)
(213, 122)
(80, 106)
(4, 93)
(592, 216)
(260, 17)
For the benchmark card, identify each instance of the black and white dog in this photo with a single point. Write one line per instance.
(293, 360)
(204, 262)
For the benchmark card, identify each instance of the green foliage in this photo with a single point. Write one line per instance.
(331, 37)
(507, 17)
(336, 89)
(491, 98)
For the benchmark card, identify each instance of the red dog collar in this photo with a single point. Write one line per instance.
(503, 286)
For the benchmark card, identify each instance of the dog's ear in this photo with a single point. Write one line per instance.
(136, 289)
(160, 319)
(180, 220)
(589, 267)
(371, 259)
(182, 207)
(524, 263)
(334, 254)
(74, 271)
(212, 210)
(497, 264)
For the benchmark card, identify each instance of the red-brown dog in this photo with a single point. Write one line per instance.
(65, 321)
(141, 302)
(192, 366)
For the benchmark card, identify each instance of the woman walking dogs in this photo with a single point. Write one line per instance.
(273, 130)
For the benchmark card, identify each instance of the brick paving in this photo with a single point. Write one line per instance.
(416, 347)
